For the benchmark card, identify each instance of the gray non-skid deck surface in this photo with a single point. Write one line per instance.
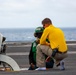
(22, 60)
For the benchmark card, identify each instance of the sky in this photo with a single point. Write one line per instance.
(30, 13)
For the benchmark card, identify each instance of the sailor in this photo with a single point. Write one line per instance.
(32, 55)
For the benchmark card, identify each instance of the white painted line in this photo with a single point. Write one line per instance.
(21, 53)
(20, 46)
(71, 44)
(23, 69)
(30, 45)
(71, 52)
(27, 53)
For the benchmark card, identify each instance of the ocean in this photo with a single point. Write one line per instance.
(26, 34)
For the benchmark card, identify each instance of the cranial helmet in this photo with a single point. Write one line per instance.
(39, 29)
(38, 32)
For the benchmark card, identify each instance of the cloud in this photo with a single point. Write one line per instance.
(20, 5)
(28, 12)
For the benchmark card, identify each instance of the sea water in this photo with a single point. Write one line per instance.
(27, 34)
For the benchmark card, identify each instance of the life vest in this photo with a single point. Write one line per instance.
(34, 45)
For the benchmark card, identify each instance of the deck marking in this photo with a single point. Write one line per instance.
(23, 69)
(27, 53)
(30, 45)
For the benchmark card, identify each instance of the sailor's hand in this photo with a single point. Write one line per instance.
(32, 65)
(48, 59)
(38, 41)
